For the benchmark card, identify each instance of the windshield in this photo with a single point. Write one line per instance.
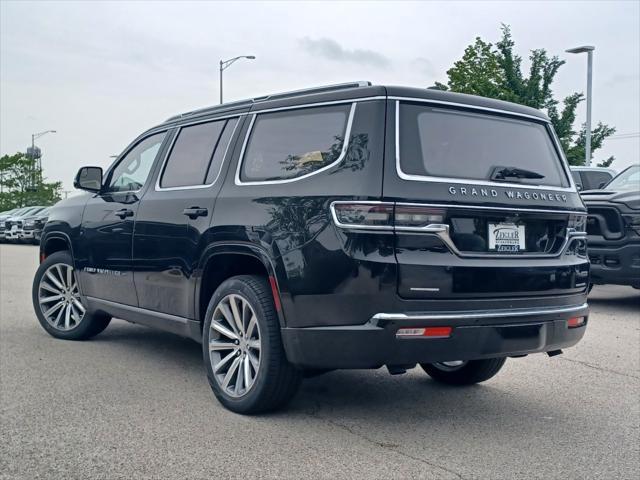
(629, 179)
(449, 143)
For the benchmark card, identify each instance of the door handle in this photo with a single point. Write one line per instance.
(123, 213)
(195, 212)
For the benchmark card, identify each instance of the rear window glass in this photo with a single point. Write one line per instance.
(284, 145)
(191, 154)
(595, 179)
(439, 142)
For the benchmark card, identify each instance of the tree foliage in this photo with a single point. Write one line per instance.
(21, 184)
(496, 72)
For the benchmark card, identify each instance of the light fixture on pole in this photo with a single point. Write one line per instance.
(588, 49)
(224, 64)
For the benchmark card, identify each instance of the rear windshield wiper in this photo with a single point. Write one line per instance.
(502, 174)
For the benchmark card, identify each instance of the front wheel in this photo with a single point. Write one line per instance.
(463, 372)
(57, 302)
(243, 353)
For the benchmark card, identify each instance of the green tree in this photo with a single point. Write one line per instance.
(496, 72)
(21, 184)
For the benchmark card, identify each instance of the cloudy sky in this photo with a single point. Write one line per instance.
(101, 72)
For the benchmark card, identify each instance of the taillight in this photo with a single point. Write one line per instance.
(363, 215)
(385, 216)
(575, 322)
(416, 216)
(578, 222)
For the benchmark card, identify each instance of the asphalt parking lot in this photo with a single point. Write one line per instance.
(134, 403)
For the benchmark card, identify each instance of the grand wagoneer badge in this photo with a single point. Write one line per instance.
(511, 194)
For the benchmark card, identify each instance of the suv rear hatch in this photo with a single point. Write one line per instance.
(483, 204)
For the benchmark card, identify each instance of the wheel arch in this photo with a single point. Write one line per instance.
(55, 242)
(223, 261)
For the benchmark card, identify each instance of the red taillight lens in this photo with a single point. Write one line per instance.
(363, 215)
(430, 332)
(575, 322)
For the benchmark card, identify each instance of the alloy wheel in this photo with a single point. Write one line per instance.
(451, 366)
(234, 345)
(59, 297)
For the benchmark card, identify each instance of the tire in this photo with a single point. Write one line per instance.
(271, 381)
(53, 274)
(469, 373)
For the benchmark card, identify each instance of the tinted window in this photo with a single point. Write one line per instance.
(191, 154)
(577, 179)
(133, 170)
(594, 179)
(452, 143)
(294, 143)
(221, 149)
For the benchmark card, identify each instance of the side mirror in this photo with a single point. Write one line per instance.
(602, 184)
(89, 178)
(578, 186)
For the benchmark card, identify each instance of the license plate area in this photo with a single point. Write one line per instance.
(506, 237)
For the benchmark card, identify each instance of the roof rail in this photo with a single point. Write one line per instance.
(312, 90)
(294, 93)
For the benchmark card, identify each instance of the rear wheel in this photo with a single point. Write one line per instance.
(463, 372)
(57, 302)
(246, 364)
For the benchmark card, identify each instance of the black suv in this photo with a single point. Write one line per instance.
(613, 230)
(349, 226)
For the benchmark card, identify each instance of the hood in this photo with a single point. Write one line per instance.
(627, 197)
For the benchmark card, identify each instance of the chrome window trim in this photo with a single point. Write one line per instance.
(468, 106)
(131, 146)
(159, 188)
(343, 152)
(428, 178)
(520, 312)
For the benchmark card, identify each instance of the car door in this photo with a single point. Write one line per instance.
(104, 247)
(174, 216)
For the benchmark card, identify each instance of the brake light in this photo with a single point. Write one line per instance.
(385, 215)
(417, 216)
(575, 322)
(430, 332)
(363, 215)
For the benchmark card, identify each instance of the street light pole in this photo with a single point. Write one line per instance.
(34, 137)
(224, 64)
(588, 49)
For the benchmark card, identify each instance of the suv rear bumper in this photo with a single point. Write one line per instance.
(618, 265)
(475, 335)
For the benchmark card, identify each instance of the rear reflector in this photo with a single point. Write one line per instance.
(430, 332)
(274, 292)
(575, 322)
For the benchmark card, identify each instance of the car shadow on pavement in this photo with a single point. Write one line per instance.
(363, 395)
